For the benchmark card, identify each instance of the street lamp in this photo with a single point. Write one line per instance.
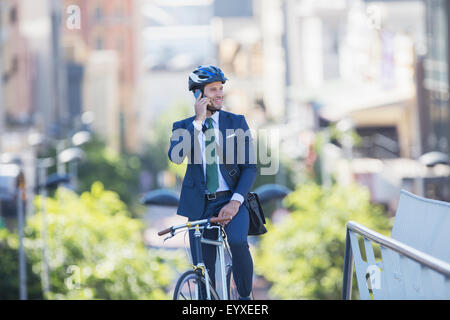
(160, 197)
(80, 138)
(71, 156)
(11, 174)
(345, 127)
(55, 179)
(424, 182)
(430, 159)
(271, 191)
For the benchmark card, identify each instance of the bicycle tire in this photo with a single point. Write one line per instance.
(186, 287)
(232, 288)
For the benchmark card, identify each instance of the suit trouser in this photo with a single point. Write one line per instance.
(237, 231)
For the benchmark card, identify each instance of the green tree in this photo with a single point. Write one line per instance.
(303, 256)
(285, 175)
(9, 269)
(155, 157)
(96, 250)
(120, 172)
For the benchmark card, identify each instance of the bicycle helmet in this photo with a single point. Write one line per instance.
(203, 75)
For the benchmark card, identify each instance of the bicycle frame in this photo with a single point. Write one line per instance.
(220, 244)
(220, 247)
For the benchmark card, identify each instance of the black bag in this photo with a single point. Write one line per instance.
(257, 220)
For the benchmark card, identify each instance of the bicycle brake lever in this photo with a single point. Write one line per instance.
(172, 234)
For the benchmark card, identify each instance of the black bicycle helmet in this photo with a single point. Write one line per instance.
(203, 75)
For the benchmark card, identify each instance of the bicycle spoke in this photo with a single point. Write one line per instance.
(188, 284)
(197, 287)
(190, 293)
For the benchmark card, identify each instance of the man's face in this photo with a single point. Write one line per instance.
(214, 91)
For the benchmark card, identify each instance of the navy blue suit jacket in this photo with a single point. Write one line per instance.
(238, 153)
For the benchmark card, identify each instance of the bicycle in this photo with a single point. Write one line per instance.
(196, 284)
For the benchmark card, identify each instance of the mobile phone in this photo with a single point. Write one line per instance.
(197, 93)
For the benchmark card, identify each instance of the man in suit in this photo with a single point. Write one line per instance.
(209, 139)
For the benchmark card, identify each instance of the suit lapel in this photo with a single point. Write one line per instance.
(224, 123)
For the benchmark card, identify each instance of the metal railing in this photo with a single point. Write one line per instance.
(422, 258)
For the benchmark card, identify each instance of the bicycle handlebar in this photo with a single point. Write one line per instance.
(211, 220)
(165, 231)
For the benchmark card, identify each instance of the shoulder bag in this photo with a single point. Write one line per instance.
(256, 215)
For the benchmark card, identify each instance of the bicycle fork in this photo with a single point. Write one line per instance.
(221, 253)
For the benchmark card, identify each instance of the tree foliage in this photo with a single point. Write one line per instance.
(96, 250)
(303, 256)
(9, 269)
(155, 157)
(120, 173)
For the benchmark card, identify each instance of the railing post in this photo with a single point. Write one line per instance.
(348, 269)
(21, 227)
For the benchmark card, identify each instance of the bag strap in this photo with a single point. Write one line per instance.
(231, 171)
(233, 174)
(229, 168)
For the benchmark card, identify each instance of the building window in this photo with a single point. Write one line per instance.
(98, 14)
(13, 15)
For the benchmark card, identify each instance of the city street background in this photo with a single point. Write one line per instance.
(356, 91)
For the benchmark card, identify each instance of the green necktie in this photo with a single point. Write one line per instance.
(212, 178)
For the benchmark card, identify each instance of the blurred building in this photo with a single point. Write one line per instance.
(239, 41)
(107, 26)
(351, 64)
(176, 37)
(433, 102)
(16, 77)
(36, 94)
(100, 94)
(355, 60)
(17, 68)
(433, 83)
(245, 38)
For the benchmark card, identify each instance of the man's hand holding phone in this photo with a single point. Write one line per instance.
(200, 107)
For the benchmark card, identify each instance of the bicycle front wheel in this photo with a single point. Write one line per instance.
(189, 287)
(233, 294)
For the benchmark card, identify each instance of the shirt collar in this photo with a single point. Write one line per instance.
(215, 117)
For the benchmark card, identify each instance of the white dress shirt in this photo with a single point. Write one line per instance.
(223, 186)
